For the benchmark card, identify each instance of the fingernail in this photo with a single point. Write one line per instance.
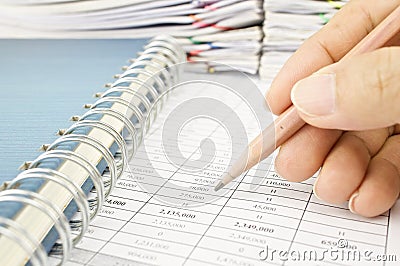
(315, 189)
(315, 95)
(351, 202)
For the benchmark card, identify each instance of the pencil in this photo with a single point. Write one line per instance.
(289, 122)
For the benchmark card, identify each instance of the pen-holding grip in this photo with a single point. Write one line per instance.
(286, 125)
(273, 136)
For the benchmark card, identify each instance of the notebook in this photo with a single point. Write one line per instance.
(84, 60)
(140, 166)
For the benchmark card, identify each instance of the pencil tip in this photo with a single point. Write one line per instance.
(219, 186)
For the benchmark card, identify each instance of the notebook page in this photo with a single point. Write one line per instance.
(162, 213)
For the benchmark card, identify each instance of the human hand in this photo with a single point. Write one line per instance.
(360, 95)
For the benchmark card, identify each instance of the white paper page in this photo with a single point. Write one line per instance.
(148, 220)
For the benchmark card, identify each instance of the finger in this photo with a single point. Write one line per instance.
(359, 94)
(396, 129)
(303, 154)
(327, 46)
(395, 41)
(380, 188)
(345, 166)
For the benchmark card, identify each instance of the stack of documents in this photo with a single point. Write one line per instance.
(224, 31)
(287, 24)
(221, 51)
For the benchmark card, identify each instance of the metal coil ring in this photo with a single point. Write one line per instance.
(165, 60)
(20, 236)
(135, 133)
(164, 51)
(49, 209)
(81, 202)
(146, 102)
(106, 154)
(134, 109)
(150, 76)
(160, 71)
(129, 81)
(177, 46)
(92, 171)
(80, 196)
(122, 162)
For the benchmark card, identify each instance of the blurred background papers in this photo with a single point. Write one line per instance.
(252, 35)
(232, 28)
(286, 26)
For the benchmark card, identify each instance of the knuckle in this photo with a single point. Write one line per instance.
(380, 79)
(394, 141)
(388, 75)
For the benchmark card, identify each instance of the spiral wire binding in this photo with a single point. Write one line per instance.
(47, 207)
(121, 156)
(106, 154)
(164, 75)
(76, 191)
(161, 61)
(118, 91)
(81, 161)
(134, 72)
(134, 129)
(152, 93)
(149, 76)
(19, 235)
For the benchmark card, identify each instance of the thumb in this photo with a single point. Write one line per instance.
(360, 93)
